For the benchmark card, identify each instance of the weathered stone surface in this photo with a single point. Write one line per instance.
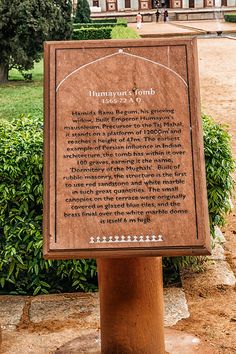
(176, 307)
(223, 274)
(87, 343)
(219, 235)
(11, 309)
(218, 253)
(77, 306)
(85, 308)
(176, 342)
(38, 342)
(54, 320)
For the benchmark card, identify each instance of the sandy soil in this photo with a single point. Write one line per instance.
(217, 68)
(213, 309)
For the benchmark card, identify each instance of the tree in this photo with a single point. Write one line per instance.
(83, 12)
(64, 28)
(25, 25)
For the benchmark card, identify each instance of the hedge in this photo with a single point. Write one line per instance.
(105, 20)
(22, 268)
(97, 25)
(230, 17)
(93, 25)
(119, 22)
(219, 168)
(92, 33)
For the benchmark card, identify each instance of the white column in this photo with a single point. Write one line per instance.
(199, 4)
(102, 4)
(185, 4)
(120, 5)
(218, 3)
(134, 4)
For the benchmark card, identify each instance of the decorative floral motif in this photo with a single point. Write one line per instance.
(129, 238)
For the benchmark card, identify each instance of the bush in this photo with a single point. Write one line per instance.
(92, 33)
(83, 12)
(22, 268)
(121, 22)
(219, 167)
(230, 17)
(105, 20)
(93, 25)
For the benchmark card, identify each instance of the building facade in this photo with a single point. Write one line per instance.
(139, 5)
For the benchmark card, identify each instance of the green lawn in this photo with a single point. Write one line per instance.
(19, 96)
(26, 97)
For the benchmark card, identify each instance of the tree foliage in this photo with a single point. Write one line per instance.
(83, 12)
(25, 25)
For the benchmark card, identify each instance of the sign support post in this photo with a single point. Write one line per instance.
(131, 305)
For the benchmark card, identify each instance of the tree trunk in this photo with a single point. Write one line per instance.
(3, 73)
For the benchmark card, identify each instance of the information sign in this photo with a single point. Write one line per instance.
(124, 162)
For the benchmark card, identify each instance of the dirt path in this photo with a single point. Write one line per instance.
(213, 308)
(217, 67)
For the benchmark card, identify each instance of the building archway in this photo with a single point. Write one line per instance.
(191, 4)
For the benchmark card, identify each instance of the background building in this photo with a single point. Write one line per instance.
(135, 5)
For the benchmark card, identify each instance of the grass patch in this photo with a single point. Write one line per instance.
(120, 32)
(37, 73)
(19, 96)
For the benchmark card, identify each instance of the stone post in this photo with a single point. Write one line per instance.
(131, 305)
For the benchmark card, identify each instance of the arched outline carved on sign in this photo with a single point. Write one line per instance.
(121, 52)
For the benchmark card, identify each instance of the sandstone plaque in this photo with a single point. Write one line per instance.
(124, 163)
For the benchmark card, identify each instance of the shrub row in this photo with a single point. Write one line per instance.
(93, 25)
(97, 25)
(230, 17)
(22, 268)
(118, 29)
(92, 33)
(219, 168)
(105, 20)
